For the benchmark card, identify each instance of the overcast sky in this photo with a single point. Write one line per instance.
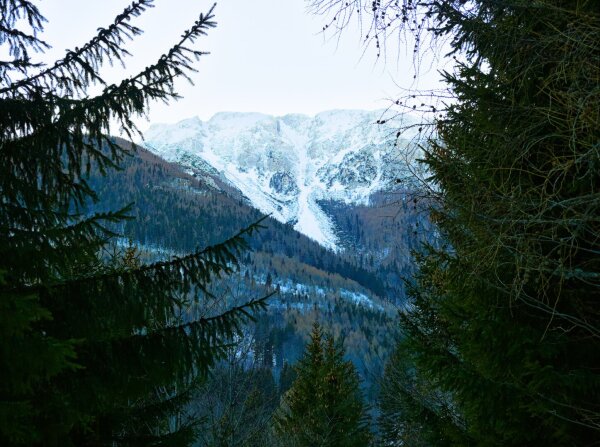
(266, 56)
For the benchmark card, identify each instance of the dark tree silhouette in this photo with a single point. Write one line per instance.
(93, 351)
(504, 322)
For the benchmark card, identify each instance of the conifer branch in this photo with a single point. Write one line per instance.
(216, 257)
(78, 68)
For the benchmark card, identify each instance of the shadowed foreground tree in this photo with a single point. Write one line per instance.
(93, 353)
(324, 406)
(505, 323)
(413, 411)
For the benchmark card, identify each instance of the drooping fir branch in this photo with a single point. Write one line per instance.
(200, 334)
(48, 127)
(234, 317)
(50, 235)
(14, 10)
(196, 268)
(19, 65)
(79, 68)
(133, 95)
(18, 41)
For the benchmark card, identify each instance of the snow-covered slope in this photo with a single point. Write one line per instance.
(285, 165)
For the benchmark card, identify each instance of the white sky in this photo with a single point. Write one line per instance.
(266, 56)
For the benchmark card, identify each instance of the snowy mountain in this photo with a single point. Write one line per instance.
(286, 165)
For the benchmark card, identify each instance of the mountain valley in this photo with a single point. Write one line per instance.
(352, 280)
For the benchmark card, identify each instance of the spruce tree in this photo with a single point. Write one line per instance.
(324, 406)
(504, 321)
(93, 353)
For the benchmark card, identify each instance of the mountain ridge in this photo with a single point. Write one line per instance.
(285, 165)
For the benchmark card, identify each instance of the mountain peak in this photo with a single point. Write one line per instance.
(247, 118)
(286, 165)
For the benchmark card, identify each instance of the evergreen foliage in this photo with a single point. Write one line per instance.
(505, 322)
(324, 406)
(196, 213)
(413, 412)
(166, 196)
(93, 352)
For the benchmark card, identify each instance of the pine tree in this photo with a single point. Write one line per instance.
(513, 296)
(324, 406)
(504, 321)
(93, 352)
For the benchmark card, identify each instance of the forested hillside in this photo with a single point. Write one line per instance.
(180, 211)
(355, 293)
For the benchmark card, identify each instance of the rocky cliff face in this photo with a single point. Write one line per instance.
(286, 165)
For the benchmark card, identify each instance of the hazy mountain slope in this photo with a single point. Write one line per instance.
(177, 212)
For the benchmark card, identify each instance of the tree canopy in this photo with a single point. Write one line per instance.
(503, 324)
(94, 351)
(324, 405)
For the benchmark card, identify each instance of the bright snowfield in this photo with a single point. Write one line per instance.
(285, 165)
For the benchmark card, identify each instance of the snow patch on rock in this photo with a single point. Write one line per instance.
(286, 165)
